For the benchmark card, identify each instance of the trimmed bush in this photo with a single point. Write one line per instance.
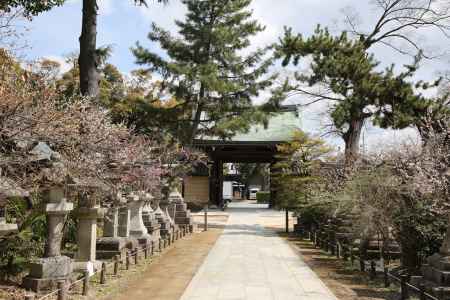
(263, 197)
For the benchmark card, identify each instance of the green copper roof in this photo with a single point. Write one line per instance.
(280, 128)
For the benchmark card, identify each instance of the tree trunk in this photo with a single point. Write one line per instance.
(351, 139)
(197, 114)
(88, 62)
(195, 123)
(409, 241)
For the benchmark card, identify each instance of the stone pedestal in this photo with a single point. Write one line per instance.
(124, 228)
(124, 220)
(436, 272)
(149, 218)
(87, 237)
(164, 220)
(47, 271)
(111, 244)
(137, 226)
(180, 213)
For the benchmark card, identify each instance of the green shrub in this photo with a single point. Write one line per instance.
(263, 197)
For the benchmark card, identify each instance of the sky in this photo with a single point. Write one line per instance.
(121, 24)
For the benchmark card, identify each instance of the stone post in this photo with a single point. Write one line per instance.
(437, 269)
(45, 272)
(111, 223)
(163, 220)
(137, 226)
(149, 218)
(111, 245)
(87, 233)
(124, 222)
(181, 215)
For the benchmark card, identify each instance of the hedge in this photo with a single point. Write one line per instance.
(263, 197)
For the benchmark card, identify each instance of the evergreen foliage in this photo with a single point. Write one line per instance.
(294, 173)
(355, 86)
(206, 72)
(30, 7)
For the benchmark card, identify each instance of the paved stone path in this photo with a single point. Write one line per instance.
(250, 262)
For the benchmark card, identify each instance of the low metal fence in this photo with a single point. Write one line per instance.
(83, 285)
(370, 266)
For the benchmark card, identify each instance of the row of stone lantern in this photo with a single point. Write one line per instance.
(134, 220)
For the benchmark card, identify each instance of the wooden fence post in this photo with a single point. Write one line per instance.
(338, 251)
(404, 287)
(386, 277)
(287, 220)
(61, 290)
(146, 252)
(373, 270)
(127, 260)
(86, 283)
(362, 264)
(352, 256)
(343, 252)
(422, 292)
(116, 265)
(206, 218)
(103, 274)
(160, 244)
(315, 239)
(136, 256)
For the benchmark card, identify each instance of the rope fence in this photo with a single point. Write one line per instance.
(82, 286)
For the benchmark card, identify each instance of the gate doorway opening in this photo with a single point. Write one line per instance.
(258, 147)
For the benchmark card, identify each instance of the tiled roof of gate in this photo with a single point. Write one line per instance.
(281, 127)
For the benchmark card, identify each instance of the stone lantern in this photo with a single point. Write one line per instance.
(8, 190)
(138, 230)
(116, 231)
(5, 228)
(53, 267)
(88, 212)
(149, 218)
(437, 270)
(163, 219)
(180, 213)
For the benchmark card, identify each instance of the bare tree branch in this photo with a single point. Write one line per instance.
(398, 18)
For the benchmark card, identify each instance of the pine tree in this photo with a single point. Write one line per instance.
(30, 7)
(356, 88)
(206, 71)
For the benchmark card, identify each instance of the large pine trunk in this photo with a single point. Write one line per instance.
(89, 78)
(351, 139)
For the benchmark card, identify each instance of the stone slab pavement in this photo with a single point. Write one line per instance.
(250, 262)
